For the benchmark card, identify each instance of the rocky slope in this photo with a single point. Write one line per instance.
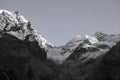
(15, 24)
(22, 50)
(89, 58)
(93, 66)
(81, 47)
(24, 54)
(104, 67)
(108, 66)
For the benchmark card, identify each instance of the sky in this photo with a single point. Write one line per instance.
(60, 20)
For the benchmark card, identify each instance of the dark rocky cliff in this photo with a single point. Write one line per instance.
(23, 60)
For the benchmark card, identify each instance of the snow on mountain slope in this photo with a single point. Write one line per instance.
(72, 44)
(93, 47)
(64, 52)
(15, 24)
(86, 46)
(61, 53)
(106, 37)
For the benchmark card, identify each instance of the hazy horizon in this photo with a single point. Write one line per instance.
(59, 21)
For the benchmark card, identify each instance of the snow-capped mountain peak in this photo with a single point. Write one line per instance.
(92, 39)
(16, 25)
(78, 36)
(63, 52)
(91, 46)
(107, 37)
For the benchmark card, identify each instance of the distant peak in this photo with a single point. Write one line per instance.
(98, 33)
(86, 36)
(91, 39)
(78, 36)
(1, 11)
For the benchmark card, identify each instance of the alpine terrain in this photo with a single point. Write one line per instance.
(26, 55)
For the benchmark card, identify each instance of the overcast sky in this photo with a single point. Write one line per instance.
(59, 20)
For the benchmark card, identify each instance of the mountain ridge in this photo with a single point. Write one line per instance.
(99, 41)
(15, 24)
(26, 55)
(23, 52)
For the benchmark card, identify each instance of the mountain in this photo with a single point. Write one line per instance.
(15, 24)
(103, 67)
(95, 58)
(81, 47)
(23, 52)
(61, 53)
(108, 66)
(94, 46)
(26, 55)
(89, 57)
(105, 37)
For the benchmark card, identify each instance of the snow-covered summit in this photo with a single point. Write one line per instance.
(63, 52)
(73, 43)
(92, 40)
(107, 37)
(16, 25)
(95, 45)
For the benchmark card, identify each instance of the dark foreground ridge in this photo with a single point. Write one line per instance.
(23, 60)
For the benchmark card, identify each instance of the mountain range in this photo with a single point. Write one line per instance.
(26, 55)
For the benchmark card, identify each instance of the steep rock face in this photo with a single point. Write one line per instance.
(17, 55)
(35, 49)
(22, 50)
(14, 56)
(15, 24)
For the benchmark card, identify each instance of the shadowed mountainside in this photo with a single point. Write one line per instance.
(24, 54)
(23, 60)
